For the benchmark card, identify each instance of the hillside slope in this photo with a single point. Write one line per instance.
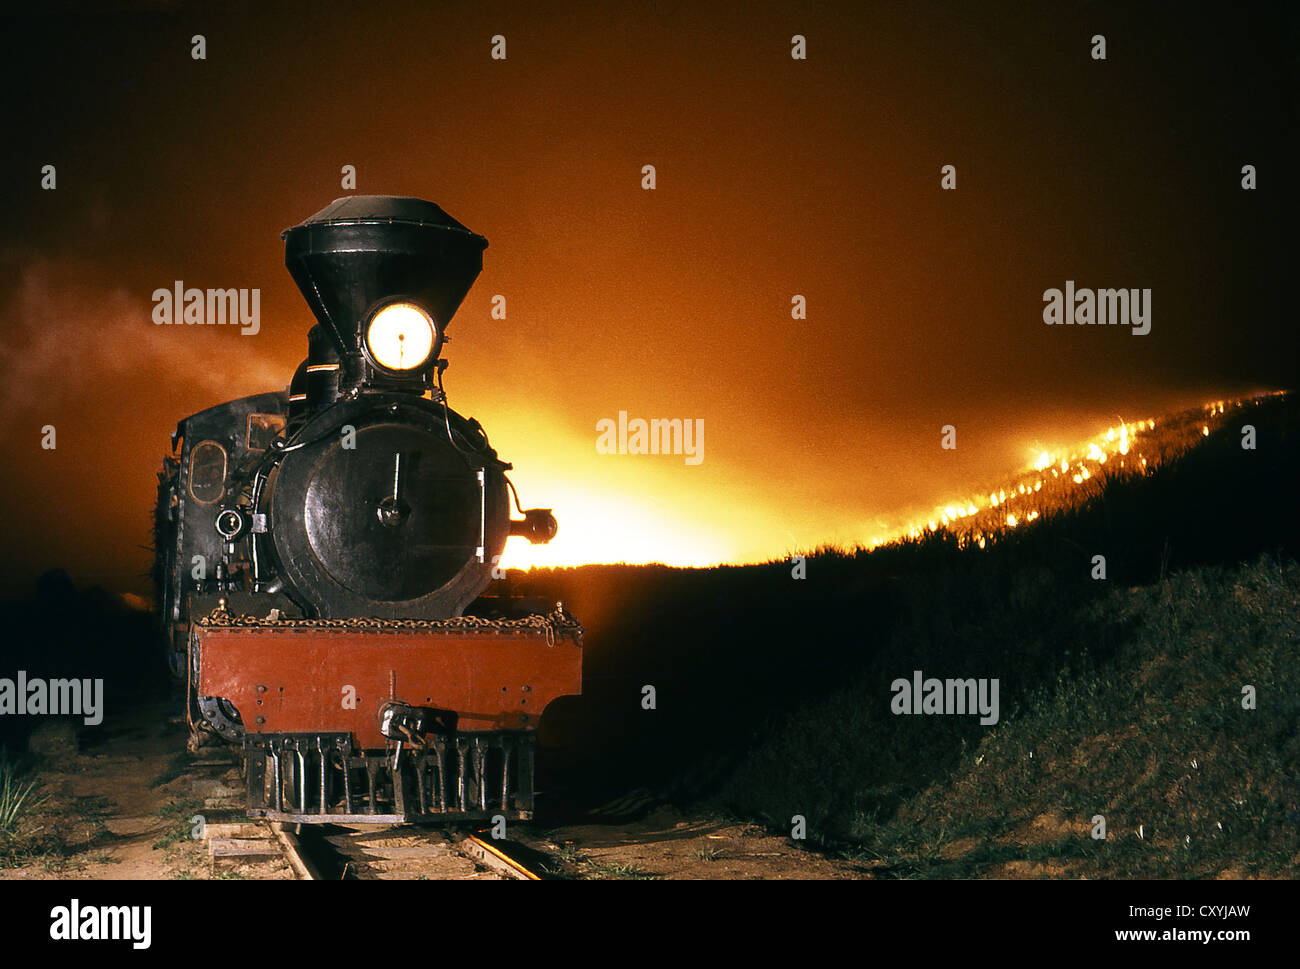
(1156, 740)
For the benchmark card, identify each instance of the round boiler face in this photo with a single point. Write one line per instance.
(400, 337)
(395, 518)
(388, 526)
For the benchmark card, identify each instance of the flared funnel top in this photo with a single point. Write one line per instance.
(362, 252)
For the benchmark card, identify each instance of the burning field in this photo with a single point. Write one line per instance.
(1132, 604)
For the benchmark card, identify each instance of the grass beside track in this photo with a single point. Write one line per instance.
(1155, 740)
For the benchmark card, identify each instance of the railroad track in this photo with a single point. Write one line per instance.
(397, 852)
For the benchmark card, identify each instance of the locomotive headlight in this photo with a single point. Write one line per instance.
(400, 336)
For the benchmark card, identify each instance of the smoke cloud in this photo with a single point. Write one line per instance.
(66, 335)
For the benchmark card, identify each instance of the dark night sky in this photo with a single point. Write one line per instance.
(775, 177)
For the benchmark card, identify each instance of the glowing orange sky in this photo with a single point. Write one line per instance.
(775, 178)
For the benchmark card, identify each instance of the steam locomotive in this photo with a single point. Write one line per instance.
(317, 550)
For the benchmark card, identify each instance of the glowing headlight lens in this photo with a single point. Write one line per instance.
(400, 336)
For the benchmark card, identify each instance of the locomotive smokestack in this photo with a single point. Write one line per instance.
(368, 255)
